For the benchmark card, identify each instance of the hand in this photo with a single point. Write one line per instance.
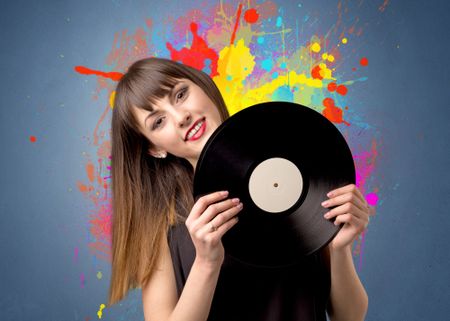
(351, 209)
(210, 218)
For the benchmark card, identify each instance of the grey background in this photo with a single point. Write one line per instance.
(406, 268)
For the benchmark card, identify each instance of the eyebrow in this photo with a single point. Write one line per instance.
(170, 94)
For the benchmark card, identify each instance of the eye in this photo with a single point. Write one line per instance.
(158, 122)
(181, 94)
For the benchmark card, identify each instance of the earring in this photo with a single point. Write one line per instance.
(161, 155)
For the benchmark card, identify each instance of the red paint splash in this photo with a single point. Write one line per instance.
(197, 54)
(332, 86)
(113, 75)
(332, 112)
(33, 139)
(251, 15)
(364, 61)
(238, 17)
(316, 73)
(341, 90)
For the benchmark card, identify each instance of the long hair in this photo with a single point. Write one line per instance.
(148, 194)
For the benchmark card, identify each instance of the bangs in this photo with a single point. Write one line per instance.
(148, 89)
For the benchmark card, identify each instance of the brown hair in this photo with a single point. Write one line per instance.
(149, 193)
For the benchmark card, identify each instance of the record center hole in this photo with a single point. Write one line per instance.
(275, 185)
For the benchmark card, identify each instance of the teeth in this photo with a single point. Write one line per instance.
(195, 130)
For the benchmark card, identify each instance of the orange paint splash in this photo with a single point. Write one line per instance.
(238, 17)
(364, 61)
(84, 188)
(316, 73)
(251, 15)
(197, 54)
(114, 75)
(33, 139)
(332, 112)
(90, 170)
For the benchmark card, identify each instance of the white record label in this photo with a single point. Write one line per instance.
(275, 185)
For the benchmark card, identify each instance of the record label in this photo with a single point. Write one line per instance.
(275, 185)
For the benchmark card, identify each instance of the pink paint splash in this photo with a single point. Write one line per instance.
(82, 280)
(75, 255)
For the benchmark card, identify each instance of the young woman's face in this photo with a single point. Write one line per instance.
(181, 122)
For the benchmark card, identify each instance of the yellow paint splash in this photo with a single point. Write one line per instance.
(112, 97)
(234, 65)
(344, 40)
(99, 275)
(315, 47)
(325, 72)
(100, 313)
(326, 56)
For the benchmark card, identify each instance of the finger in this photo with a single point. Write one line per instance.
(216, 209)
(350, 219)
(203, 202)
(225, 227)
(215, 224)
(346, 189)
(344, 209)
(226, 215)
(346, 198)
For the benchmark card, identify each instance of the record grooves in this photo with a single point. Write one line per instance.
(280, 159)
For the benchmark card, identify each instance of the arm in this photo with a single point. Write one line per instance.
(207, 223)
(348, 298)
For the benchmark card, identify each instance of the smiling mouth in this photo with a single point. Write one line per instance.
(196, 131)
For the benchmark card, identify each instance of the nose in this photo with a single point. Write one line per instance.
(184, 118)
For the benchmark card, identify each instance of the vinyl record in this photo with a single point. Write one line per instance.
(280, 159)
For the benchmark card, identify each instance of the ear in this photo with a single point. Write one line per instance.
(157, 153)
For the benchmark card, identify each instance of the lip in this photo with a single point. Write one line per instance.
(200, 131)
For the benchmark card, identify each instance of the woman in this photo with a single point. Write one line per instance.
(163, 242)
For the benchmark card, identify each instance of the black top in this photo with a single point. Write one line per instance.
(250, 293)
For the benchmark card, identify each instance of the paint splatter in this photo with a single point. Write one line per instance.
(236, 24)
(263, 58)
(383, 6)
(372, 199)
(332, 112)
(75, 254)
(197, 55)
(364, 61)
(33, 139)
(251, 15)
(315, 47)
(86, 71)
(99, 275)
(82, 280)
(100, 311)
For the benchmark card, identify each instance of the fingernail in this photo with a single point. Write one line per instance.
(240, 206)
(325, 203)
(326, 215)
(330, 194)
(235, 200)
(224, 193)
